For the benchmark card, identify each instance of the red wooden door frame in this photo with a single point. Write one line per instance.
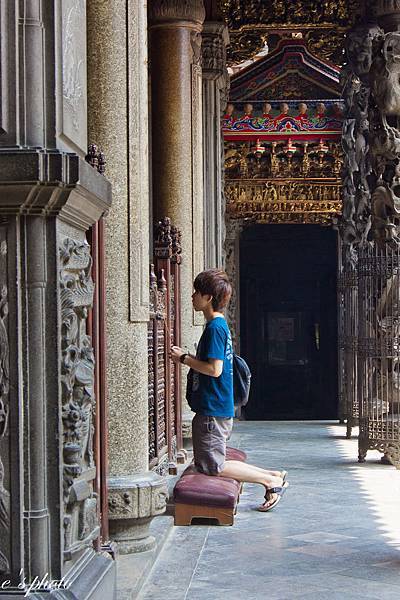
(97, 331)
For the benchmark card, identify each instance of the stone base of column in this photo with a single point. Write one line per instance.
(133, 502)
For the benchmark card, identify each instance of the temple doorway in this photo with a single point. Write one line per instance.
(288, 320)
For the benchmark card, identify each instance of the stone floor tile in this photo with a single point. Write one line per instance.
(332, 536)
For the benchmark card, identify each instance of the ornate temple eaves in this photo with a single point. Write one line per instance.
(314, 77)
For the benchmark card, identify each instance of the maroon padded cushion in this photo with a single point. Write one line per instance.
(235, 454)
(206, 490)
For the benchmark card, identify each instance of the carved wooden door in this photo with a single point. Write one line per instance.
(165, 431)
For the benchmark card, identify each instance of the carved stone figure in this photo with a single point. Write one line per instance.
(385, 72)
(78, 401)
(349, 146)
(385, 208)
(4, 351)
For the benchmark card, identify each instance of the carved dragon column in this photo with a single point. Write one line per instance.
(215, 39)
(118, 121)
(379, 252)
(355, 221)
(176, 152)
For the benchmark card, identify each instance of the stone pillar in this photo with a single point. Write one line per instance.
(49, 198)
(215, 38)
(177, 179)
(118, 122)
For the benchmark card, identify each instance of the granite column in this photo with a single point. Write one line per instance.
(176, 155)
(118, 122)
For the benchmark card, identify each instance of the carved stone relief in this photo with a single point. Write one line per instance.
(78, 401)
(73, 127)
(214, 42)
(356, 221)
(370, 229)
(4, 409)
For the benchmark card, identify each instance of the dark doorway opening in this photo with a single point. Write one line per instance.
(288, 320)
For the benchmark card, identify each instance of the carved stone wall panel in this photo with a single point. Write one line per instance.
(71, 70)
(5, 531)
(7, 74)
(78, 401)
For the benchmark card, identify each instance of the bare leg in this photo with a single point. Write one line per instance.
(249, 474)
(268, 471)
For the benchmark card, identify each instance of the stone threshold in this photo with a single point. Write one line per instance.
(133, 569)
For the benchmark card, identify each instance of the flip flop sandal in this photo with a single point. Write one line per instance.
(279, 491)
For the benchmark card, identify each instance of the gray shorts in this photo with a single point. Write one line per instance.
(209, 435)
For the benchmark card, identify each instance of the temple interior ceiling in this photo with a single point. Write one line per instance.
(322, 23)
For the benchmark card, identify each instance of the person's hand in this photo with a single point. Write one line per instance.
(176, 353)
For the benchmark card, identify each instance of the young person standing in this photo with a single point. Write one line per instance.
(210, 391)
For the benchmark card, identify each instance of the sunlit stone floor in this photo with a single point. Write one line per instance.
(335, 534)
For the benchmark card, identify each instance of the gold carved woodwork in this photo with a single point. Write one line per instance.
(282, 160)
(322, 22)
(280, 13)
(284, 201)
(327, 44)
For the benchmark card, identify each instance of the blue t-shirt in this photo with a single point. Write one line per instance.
(213, 396)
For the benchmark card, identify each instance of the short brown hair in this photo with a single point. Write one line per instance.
(214, 282)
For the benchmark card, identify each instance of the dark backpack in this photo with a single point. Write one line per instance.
(241, 380)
